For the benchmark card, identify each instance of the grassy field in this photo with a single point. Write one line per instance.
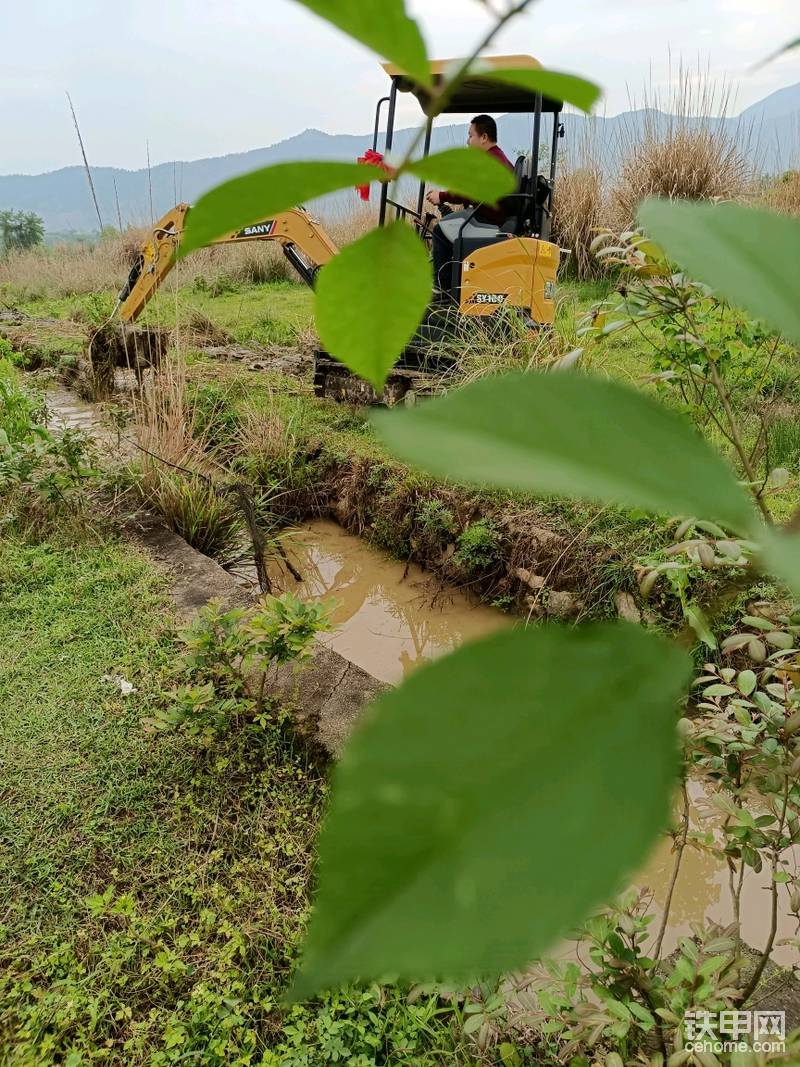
(154, 892)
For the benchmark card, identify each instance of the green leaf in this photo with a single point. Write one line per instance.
(780, 556)
(749, 256)
(776, 55)
(485, 778)
(381, 25)
(371, 298)
(468, 172)
(569, 434)
(553, 84)
(699, 623)
(746, 682)
(261, 193)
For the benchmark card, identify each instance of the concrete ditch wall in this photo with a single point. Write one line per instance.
(326, 696)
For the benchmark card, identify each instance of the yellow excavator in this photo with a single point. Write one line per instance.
(512, 266)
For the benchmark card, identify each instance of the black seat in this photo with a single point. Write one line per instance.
(529, 207)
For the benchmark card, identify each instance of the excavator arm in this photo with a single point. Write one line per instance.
(305, 244)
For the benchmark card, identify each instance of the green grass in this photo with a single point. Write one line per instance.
(272, 313)
(153, 894)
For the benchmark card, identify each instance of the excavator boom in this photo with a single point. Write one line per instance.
(305, 244)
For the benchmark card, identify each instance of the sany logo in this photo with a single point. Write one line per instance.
(258, 229)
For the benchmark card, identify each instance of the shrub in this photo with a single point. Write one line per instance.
(228, 655)
(478, 547)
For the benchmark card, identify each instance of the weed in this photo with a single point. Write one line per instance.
(434, 525)
(478, 547)
(227, 657)
(40, 472)
(268, 330)
(215, 419)
(193, 507)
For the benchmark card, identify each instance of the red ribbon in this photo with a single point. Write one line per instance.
(376, 160)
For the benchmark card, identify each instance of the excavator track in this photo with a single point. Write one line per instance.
(334, 381)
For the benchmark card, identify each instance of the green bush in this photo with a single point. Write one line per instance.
(228, 656)
(478, 547)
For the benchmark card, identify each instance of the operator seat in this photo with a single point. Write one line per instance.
(489, 232)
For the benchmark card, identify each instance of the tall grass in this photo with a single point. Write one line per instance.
(178, 477)
(681, 150)
(578, 215)
(783, 194)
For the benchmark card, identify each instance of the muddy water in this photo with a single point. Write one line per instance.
(389, 619)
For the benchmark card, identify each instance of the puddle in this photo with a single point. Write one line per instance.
(389, 618)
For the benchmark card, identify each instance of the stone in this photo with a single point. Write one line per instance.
(533, 581)
(563, 605)
(626, 608)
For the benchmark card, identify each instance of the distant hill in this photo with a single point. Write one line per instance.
(768, 133)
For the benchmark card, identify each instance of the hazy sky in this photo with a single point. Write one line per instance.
(205, 78)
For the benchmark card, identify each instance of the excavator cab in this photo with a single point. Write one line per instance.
(512, 266)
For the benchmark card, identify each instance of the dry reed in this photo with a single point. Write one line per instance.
(681, 148)
(783, 193)
(578, 215)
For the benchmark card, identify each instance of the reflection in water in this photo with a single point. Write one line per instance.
(389, 618)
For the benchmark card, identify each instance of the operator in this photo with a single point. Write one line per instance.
(483, 135)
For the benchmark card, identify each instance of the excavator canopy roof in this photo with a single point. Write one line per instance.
(478, 92)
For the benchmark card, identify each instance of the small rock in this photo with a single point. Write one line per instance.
(533, 581)
(626, 608)
(563, 605)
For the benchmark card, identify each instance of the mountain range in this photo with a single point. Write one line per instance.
(767, 134)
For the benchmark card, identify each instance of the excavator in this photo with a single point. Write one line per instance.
(511, 267)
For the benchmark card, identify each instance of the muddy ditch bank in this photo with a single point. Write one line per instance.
(514, 557)
(88, 356)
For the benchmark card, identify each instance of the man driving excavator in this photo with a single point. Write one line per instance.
(482, 134)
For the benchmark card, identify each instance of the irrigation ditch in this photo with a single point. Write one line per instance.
(454, 552)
